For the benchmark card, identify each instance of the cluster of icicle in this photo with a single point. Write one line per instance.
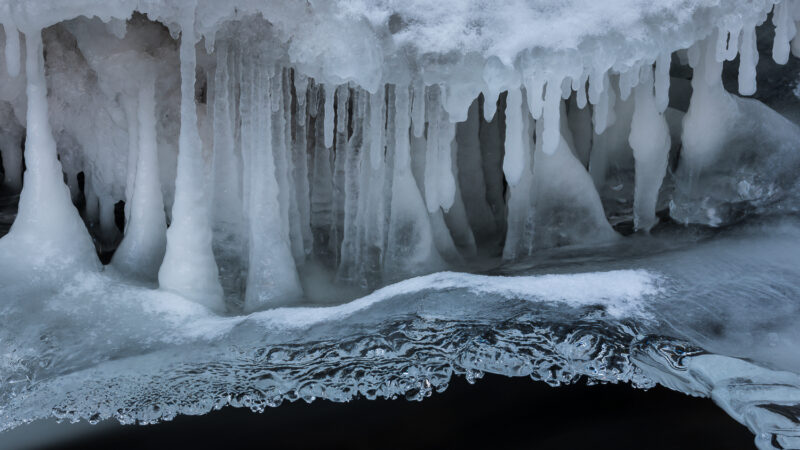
(376, 186)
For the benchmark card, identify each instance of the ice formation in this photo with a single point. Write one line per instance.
(251, 154)
(368, 141)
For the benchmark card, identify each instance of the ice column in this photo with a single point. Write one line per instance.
(410, 248)
(650, 141)
(272, 276)
(189, 267)
(142, 249)
(48, 232)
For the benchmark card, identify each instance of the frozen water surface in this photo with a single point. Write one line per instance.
(210, 203)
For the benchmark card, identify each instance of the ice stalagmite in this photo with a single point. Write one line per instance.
(189, 267)
(650, 141)
(141, 251)
(48, 235)
(271, 274)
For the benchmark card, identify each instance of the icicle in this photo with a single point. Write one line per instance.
(748, 60)
(55, 231)
(418, 110)
(377, 104)
(329, 115)
(300, 87)
(663, 63)
(728, 43)
(142, 249)
(627, 81)
(189, 267)
(650, 141)
(432, 117)
(785, 31)
(300, 163)
(604, 106)
(515, 140)
(12, 47)
(535, 90)
(446, 176)
(551, 120)
(580, 124)
(579, 86)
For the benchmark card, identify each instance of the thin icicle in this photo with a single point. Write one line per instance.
(377, 108)
(432, 150)
(579, 86)
(551, 120)
(515, 147)
(418, 110)
(330, 90)
(748, 60)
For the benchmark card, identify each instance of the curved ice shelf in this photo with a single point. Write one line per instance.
(708, 316)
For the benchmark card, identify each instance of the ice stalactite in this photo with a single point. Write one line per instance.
(189, 267)
(56, 231)
(650, 141)
(141, 251)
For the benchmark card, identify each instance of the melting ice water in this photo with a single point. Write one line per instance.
(279, 189)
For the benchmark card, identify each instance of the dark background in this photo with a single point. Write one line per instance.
(495, 413)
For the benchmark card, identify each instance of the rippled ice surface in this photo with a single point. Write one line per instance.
(706, 313)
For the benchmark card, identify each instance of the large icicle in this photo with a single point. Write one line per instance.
(48, 235)
(189, 267)
(650, 141)
(142, 249)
